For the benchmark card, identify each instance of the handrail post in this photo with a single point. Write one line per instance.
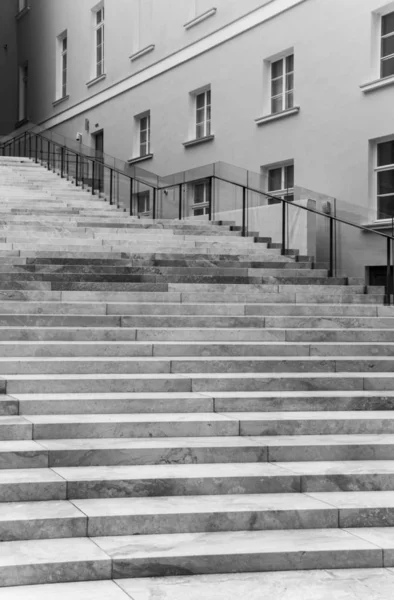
(25, 143)
(111, 183)
(283, 251)
(93, 164)
(331, 266)
(243, 211)
(131, 197)
(49, 154)
(76, 169)
(36, 148)
(29, 145)
(62, 162)
(210, 198)
(388, 273)
(154, 204)
(180, 203)
(40, 147)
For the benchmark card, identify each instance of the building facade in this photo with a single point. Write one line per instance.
(300, 92)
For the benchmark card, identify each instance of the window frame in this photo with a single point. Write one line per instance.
(285, 92)
(285, 192)
(380, 169)
(61, 72)
(99, 65)
(206, 108)
(382, 37)
(144, 146)
(205, 204)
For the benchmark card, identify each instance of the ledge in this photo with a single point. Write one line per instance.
(138, 159)
(280, 115)
(21, 123)
(203, 140)
(22, 13)
(96, 80)
(56, 102)
(377, 84)
(200, 18)
(142, 52)
(380, 225)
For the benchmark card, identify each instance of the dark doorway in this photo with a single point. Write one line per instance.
(378, 276)
(99, 155)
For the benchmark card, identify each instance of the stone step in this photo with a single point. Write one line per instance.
(127, 426)
(195, 349)
(85, 452)
(90, 403)
(196, 364)
(243, 551)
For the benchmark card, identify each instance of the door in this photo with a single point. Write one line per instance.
(99, 155)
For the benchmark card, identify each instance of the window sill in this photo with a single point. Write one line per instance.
(22, 13)
(95, 80)
(142, 52)
(203, 140)
(137, 159)
(277, 116)
(377, 84)
(60, 100)
(200, 18)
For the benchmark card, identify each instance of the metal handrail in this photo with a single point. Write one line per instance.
(245, 190)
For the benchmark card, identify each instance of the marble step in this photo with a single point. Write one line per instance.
(195, 382)
(144, 556)
(196, 364)
(70, 320)
(128, 426)
(90, 403)
(85, 452)
(51, 561)
(197, 349)
(185, 514)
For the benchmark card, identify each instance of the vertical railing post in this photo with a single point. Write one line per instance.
(76, 169)
(111, 185)
(29, 145)
(36, 148)
(243, 211)
(40, 147)
(388, 272)
(93, 174)
(210, 198)
(180, 202)
(154, 204)
(49, 154)
(62, 162)
(131, 197)
(25, 144)
(283, 227)
(331, 264)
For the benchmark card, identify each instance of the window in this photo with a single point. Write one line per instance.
(61, 72)
(387, 46)
(145, 135)
(22, 4)
(201, 198)
(203, 114)
(281, 183)
(385, 179)
(143, 202)
(99, 41)
(282, 84)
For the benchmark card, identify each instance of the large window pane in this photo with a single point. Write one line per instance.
(290, 63)
(277, 87)
(386, 207)
(275, 179)
(387, 67)
(276, 104)
(289, 176)
(200, 130)
(200, 101)
(386, 182)
(388, 46)
(388, 24)
(386, 154)
(277, 69)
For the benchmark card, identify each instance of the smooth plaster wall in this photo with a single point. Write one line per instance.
(8, 66)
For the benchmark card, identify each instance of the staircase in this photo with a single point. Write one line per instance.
(180, 400)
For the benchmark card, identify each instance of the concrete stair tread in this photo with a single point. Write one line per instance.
(140, 442)
(82, 590)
